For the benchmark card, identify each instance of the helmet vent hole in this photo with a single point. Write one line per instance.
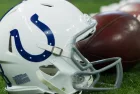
(50, 69)
(48, 5)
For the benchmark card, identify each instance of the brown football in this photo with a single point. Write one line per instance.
(117, 35)
(131, 8)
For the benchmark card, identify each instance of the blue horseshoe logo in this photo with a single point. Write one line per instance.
(49, 35)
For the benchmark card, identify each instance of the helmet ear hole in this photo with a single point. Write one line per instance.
(49, 70)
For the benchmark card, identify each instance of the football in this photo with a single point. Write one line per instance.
(117, 35)
(131, 8)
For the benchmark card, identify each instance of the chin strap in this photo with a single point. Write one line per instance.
(53, 49)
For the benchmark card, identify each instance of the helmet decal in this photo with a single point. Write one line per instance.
(49, 35)
(21, 79)
(46, 30)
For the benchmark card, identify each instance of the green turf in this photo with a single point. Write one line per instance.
(2, 86)
(131, 81)
(5, 5)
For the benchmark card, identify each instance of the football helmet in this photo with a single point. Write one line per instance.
(38, 53)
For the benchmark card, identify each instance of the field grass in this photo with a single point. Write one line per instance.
(131, 81)
(91, 6)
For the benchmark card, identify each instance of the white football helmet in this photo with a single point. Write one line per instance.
(38, 53)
